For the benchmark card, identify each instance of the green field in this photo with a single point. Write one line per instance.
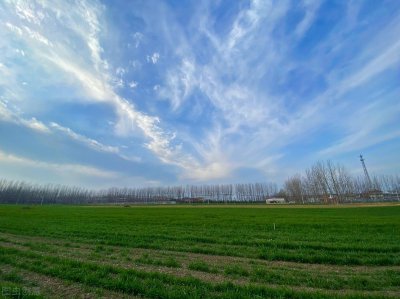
(200, 251)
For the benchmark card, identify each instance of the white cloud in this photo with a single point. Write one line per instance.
(214, 170)
(27, 11)
(180, 83)
(153, 58)
(135, 64)
(21, 52)
(76, 169)
(94, 85)
(119, 83)
(34, 124)
(137, 38)
(14, 28)
(10, 116)
(94, 144)
(390, 58)
(129, 119)
(97, 85)
(358, 141)
(239, 74)
(5, 114)
(120, 71)
(25, 30)
(37, 36)
(246, 21)
(239, 105)
(311, 8)
(133, 84)
(361, 134)
(252, 53)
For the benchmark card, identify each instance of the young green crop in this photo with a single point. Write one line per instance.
(208, 252)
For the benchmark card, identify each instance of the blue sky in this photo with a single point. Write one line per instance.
(142, 93)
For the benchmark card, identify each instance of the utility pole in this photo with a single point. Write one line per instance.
(366, 172)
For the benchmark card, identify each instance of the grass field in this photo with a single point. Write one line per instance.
(200, 252)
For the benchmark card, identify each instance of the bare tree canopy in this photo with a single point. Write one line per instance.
(326, 182)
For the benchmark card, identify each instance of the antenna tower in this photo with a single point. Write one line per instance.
(366, 172)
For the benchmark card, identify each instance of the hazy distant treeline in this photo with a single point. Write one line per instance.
(324, 182)
(21, 192)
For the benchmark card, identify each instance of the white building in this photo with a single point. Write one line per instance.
(275, 200)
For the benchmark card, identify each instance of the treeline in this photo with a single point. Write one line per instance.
(327, 182)
(26, 193)
(324, 182)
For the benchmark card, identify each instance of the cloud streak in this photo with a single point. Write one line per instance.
(75, 169)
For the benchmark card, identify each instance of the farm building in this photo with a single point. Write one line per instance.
(275, 200)
(190, 200)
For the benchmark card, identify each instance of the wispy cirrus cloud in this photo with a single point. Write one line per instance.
(367, 127)
(76, 169)
(83, 139)
(251, 54)
(92, 143)
(233, 86)
(310, 12)
(52, 128)
(9, 116)
(95, 79)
